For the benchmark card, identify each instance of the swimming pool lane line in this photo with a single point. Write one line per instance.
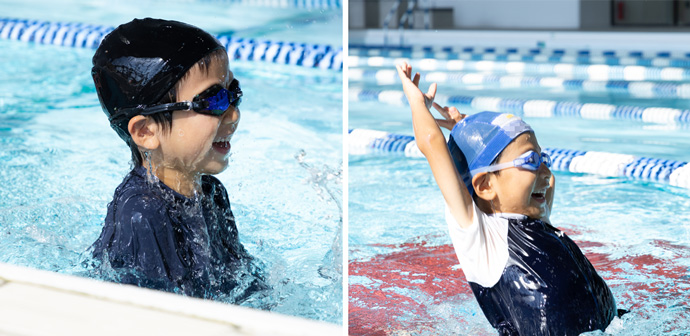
(535, 107)
(599, 72)
(672, 172)
(80, 35)
(307, 4)
(529, 55)
(534, 49)
(642, 89)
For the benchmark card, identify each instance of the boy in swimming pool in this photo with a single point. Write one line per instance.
(528, 277)
(169, 94)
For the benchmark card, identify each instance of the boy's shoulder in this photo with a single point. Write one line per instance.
(135, 211)
(212, 181)
(134, 194)
(212, 187)
(133, 183)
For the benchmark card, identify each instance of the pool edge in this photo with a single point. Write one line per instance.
(241, 320)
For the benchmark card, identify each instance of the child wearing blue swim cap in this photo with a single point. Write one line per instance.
(168, 92)
(528, 277)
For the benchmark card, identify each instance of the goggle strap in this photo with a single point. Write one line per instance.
(181, 106)
(492, 168)
(520, 161)
(146, 111)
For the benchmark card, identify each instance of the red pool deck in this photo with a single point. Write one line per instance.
(404, 285)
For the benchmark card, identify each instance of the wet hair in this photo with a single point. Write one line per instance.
(164, 119)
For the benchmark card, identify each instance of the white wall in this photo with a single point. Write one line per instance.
(480, 14)
(356, 14)
(517, 14)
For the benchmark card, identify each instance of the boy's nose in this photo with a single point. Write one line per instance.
(544, 171)
(231, 116)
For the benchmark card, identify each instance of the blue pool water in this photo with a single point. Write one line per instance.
(60, 162)
(635, 233)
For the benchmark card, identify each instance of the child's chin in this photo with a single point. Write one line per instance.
(535, 212)
(541, 213)
(216, 168)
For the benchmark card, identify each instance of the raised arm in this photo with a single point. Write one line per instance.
(432, 144)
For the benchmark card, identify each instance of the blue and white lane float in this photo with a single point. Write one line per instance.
(675, 173)
(80, 35)
(535, 108)
(537, 49)
(531, 55)
(308, 4)
(635, 89)
(600, 72)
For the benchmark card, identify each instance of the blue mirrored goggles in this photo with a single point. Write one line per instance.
(529, 161)
(212, 101)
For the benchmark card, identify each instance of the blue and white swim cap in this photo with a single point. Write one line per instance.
(477, 140)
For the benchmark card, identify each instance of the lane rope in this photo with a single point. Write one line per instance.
(534, 107)
(675, 173)
(80, 35)
(533, 55)
(600, 72)
(642, 89)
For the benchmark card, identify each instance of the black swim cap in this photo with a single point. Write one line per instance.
(140, 61)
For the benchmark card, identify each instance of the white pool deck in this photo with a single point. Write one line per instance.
(35, 302)
(674, 42)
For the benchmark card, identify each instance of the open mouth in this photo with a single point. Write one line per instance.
(222, 146)
(539, 196)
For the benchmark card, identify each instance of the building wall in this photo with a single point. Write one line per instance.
(472, 14)
(632, 15)
(517, 14)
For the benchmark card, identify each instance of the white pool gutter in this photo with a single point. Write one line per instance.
(657, 41)
(35, 302)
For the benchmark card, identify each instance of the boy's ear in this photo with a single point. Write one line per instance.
(144, 132)
(482, 186)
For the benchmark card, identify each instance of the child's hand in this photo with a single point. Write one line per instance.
(411, 86)
(452, 115)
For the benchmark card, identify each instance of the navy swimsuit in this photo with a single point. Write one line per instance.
(548, 286)
(157, 238)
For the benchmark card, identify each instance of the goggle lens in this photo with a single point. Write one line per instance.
(532, 161)
(546, 159)
(217, 99)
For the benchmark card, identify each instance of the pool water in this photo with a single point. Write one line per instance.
(404, 277)
(60, 161)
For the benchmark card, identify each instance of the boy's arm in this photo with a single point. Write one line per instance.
(432, 144)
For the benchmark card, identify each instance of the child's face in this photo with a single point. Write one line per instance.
(519, 190)
(200, 143)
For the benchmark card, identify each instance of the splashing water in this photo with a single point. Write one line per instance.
(320, 179)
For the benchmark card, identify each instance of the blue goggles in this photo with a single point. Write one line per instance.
(212, 101)
(529, 161)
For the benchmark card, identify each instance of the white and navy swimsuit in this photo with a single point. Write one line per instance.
(529, 277)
